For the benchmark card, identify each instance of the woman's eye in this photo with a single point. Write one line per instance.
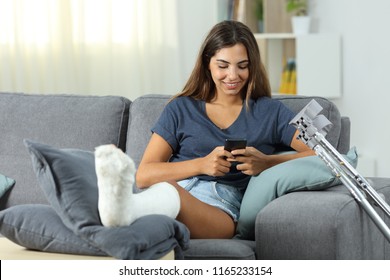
(243, 66)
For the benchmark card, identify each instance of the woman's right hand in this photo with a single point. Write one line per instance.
(215, 163)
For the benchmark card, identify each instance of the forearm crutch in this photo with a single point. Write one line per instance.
(312, 129)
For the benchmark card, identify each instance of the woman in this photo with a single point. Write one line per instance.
(226, 96)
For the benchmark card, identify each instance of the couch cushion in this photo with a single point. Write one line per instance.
(220, 249)
(296, 103)
(68, 178)
(82, 122)
(38, 227)
(301, 174)
(144, 112)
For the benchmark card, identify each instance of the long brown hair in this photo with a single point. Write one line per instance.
(200, 84)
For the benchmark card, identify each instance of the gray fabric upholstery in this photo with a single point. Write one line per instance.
(328, 225)
(305, 225)
(219, 249)
(75, 121)
(38, 227)
(345, 135)
(330, 111)
(144, 112)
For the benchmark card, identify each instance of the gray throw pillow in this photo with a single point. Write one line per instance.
(39, 227)
(68, 179)
(308, 173)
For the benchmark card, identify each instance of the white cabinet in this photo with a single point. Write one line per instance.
(317, 57)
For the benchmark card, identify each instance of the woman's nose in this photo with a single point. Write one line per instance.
(233, 73)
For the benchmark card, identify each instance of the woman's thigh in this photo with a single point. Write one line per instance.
(202, 219)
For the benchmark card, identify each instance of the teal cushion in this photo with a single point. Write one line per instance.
(308, 173)
(5, 184)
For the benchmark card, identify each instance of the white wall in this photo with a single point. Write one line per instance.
(363, 26)
(196, 18)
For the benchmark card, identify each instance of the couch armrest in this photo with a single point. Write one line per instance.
(317, 225)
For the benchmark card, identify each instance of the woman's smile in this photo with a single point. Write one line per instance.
(231, 86)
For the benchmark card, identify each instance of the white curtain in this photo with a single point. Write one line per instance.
(93, 47)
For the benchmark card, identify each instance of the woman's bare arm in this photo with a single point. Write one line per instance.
(155, 168)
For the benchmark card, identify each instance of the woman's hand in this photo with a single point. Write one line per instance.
(251, 161)
(216, 163)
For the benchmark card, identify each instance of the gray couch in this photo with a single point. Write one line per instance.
(324, 224)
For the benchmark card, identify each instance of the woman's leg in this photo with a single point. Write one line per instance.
(203, 220)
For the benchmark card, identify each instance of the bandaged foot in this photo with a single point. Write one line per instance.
(118, 205)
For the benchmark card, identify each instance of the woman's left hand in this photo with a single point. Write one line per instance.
(251, 161)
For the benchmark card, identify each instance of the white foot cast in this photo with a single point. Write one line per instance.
(118, 205)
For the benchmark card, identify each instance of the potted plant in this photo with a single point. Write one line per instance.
(298, 7)
(259, 11)
(300, 18)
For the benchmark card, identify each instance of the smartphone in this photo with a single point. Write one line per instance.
(235, 144)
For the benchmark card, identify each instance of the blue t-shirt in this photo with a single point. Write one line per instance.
(186, 127)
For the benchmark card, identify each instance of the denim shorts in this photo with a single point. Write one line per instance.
(225, 197)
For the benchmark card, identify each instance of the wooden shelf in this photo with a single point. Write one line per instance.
(275, 35)
(317, 56)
